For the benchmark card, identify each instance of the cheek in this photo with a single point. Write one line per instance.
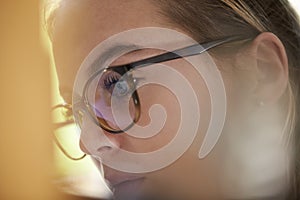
(152, 95)
(155, 100)
(194, 174)
(189, 177)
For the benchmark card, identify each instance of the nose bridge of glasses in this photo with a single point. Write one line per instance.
(81, 112)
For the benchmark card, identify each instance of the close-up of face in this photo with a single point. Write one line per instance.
(210, 123)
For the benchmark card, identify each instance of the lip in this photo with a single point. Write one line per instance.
(128, 188)
(117, 179)
(120, 183)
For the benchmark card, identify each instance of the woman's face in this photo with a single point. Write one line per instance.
(82, 25)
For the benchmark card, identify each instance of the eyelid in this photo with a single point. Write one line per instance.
(109, 78)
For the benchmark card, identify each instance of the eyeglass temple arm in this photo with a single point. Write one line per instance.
(192, 50)
(65, 152)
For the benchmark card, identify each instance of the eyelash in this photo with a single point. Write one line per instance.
(110, 80)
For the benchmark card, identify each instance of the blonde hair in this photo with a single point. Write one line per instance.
(210, 19)
(50, 8)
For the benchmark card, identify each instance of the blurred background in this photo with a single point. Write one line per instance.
(25, 148)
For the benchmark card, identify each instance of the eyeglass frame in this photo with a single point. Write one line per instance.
(188, 51)
(60, 125)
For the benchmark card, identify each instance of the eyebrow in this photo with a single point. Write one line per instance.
(109, 53)
(191, 50)
(66, 92)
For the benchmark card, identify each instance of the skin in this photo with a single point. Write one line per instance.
(81, 25)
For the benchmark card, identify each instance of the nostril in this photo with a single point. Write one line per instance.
(83, 148)
(104, 148)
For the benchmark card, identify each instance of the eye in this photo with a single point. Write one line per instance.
(121, 88)
(110, 80)
(118, 85)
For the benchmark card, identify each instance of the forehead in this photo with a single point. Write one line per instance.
(91, 21)
(80, 25)
(104, 15)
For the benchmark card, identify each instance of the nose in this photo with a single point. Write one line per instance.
(95, 141)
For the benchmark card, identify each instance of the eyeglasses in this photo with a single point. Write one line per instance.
(62, 113)
(115, 87)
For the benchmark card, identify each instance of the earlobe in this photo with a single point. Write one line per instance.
(271, 67)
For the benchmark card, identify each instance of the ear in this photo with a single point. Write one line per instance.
(267, 60)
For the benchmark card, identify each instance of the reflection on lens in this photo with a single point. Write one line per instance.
(108, 93)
